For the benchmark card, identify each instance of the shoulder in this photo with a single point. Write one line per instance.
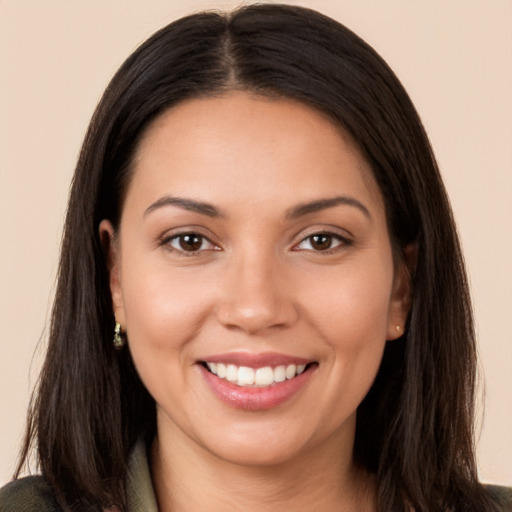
(29, 494)
(502, 495)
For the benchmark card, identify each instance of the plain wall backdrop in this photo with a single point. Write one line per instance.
(56, 57)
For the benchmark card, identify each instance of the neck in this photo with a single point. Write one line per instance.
(187, 477)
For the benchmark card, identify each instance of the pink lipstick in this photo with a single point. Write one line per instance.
(256, 381)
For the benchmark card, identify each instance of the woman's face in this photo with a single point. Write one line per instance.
(254, 277)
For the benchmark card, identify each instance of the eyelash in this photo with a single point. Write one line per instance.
(167, 242)
(343, 242)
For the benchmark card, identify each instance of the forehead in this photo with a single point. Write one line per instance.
(245, 146)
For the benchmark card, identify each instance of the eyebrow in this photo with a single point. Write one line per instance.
(323, 204)
(186, 204)
(293, 213)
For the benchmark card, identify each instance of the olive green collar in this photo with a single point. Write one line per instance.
(140, 492)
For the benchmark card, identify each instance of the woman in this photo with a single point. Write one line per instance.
(261, 298)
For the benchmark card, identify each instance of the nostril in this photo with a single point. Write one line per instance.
(252, 320)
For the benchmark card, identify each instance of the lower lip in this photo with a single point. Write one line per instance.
(254, 398)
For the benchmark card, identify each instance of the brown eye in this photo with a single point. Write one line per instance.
(321, 242)
(190, 242)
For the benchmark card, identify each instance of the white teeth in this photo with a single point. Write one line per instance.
(245, 376)
(291, 371)
(221, 370)
(280, 373)
(259, 377)
(232, 373)
(264, 376)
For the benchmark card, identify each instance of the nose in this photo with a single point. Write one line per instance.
(255, 296)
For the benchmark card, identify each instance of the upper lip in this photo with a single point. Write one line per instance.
(255, 360)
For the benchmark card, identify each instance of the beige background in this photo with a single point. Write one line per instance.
(454, 57)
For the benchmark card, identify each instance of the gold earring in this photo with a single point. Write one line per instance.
(119, 339)
(398, 329)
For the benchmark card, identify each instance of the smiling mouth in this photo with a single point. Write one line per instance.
(263, 377)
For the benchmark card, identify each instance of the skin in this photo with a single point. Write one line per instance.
(256, 284)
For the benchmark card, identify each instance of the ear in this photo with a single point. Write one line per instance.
(401, 296)
(110, 248)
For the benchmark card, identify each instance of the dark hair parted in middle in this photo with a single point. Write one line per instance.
(414, 429)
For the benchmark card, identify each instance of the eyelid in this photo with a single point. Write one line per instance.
(343, 236)
(165, 240)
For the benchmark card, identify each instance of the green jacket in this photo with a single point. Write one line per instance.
(32, 494)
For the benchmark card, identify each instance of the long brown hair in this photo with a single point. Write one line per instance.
(415, 427)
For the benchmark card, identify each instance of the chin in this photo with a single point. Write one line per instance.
(263, 454)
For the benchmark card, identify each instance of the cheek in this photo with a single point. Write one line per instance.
(164, 313)
(350, 306)
(350, 311)
(164, 308)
